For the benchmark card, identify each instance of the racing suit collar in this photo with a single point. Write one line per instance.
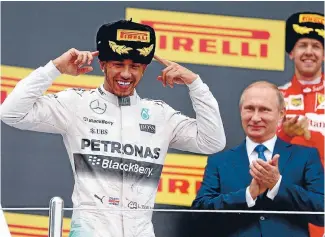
(129, 100)
(308, 88)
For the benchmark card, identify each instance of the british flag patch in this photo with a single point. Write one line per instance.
(113, 201)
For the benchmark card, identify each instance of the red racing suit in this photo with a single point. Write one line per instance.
(306, 100)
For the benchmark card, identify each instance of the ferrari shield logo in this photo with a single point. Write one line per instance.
(320, 101)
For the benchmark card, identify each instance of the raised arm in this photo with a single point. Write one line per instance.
(27, 108)
(205, 134)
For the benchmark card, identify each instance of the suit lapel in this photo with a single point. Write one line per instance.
(283, 149)
(240, 161)
(240, 164)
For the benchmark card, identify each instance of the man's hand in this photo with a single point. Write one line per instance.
(256, 189)
(75, 62)
(174, 73)
(296, 127)
(266, 173)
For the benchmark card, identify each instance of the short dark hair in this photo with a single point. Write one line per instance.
(280, 98)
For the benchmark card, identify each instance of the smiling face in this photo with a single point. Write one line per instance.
(122, 77)
(308, 56)
(260, 113)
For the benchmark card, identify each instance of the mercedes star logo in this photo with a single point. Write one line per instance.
(97, 107)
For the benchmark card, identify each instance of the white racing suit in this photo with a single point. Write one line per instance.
(116, 152)
(4, 230)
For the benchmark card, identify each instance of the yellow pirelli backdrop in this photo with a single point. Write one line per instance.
(26, 225)
(216, 40)
(11, 75)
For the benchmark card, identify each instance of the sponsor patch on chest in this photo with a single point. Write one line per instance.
(150, 128)
(316, 122)
(295, 102)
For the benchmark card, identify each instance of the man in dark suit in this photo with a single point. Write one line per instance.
(262, 173)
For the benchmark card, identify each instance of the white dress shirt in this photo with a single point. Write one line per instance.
(252, 155)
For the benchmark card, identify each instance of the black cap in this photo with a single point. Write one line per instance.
(304, 25)
(126, 40)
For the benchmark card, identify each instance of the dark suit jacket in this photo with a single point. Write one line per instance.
(224, 187)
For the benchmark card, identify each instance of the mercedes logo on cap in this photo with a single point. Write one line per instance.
(98, 107)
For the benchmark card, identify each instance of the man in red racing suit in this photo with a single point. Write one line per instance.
(304, 94)
(306, 101)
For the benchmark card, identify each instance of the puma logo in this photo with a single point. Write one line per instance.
(101, 199)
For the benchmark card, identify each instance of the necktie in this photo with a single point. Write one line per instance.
(260, 151)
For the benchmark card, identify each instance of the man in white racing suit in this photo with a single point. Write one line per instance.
(116, 141)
